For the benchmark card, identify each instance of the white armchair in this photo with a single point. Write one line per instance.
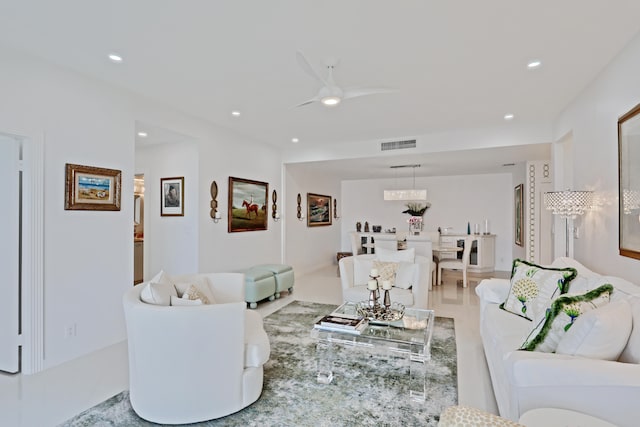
(196, 363)
(354, 274)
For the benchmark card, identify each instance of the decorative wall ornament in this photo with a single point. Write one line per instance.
(247, 205)
(299, 213)
(335, 209)
(274, 207)
(214, 202)
(92, 188)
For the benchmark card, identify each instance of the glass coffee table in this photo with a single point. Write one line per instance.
(410, 337)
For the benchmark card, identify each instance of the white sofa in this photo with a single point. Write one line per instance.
(354, 274)
(194, 363)
(526, 380)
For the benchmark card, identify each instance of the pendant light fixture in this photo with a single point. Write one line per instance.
(412, 194)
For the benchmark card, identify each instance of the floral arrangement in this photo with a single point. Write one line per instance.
(416, 209)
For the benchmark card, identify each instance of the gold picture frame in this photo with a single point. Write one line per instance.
(92, 188)
(629, 183)
(247, 208)
(318, 210)
(519, 215)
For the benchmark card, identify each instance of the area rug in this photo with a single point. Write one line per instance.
(368, 389)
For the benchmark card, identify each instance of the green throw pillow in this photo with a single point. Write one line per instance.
(533, 287)
(564, 311)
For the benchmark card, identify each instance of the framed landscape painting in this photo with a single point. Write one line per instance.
(92, 188)
(172, 196)
(318, 210)
(247, 205)
(519, 215)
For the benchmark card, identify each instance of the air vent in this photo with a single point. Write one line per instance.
(398, 145)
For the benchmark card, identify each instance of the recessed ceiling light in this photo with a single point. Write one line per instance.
(509, 116)
(534, 64)
(295, 140)
(114, 57)
(142, 134)
(235, 113)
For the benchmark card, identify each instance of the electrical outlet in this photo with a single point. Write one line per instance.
(70, 330)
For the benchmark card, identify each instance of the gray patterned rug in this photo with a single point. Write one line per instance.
(367, 390)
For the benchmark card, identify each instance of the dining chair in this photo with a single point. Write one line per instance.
(458, 264)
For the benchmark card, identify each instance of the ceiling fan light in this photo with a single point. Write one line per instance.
(330, 101)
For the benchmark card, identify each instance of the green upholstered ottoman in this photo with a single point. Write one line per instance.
(259, 284)
(283, 275)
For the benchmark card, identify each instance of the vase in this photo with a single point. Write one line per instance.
(415, 224)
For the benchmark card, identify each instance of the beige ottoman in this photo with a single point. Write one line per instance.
(464, 416)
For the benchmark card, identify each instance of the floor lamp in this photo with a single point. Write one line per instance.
(568, 204)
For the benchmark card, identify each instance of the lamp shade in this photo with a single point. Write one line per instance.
(406, 195)
(568, 204)
(630, 200)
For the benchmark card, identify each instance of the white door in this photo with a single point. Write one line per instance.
(10, 254)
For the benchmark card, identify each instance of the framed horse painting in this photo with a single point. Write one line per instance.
(247, 205)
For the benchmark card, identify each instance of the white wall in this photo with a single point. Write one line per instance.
(455, 200)
(309, 248)
(592, 119)
(170, 242)
(89, 255)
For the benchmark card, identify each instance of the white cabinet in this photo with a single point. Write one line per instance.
(483, 251)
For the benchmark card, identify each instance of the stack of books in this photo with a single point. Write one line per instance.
(338, 323)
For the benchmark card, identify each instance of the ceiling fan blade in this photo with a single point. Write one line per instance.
(307, 68)
(310, 101)
(354, 92)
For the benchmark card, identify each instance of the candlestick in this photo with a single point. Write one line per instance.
(386, 285)
(374, 272)
(372, 285)
(486, 226)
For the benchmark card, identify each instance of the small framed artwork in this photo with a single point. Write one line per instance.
(172, 196)
(318, 210)
(92, 188)
(519, 215)
(247, 205)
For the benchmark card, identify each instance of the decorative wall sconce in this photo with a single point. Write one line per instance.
(274, 207)
(214, 202)
(300, 215)
(335, 209)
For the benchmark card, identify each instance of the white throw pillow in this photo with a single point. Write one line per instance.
(631, 352)
(201, 283)
(158, 293)
(386, 270)
(162, 277)
(405, 275)
(194, 293)
(599, 334)
(175, 300)
(388, 255)
(361, 270)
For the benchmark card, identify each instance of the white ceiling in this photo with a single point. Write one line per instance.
(457, 64)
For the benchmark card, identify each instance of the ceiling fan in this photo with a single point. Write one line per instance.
(331, 94)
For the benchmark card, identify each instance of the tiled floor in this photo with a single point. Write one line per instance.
(55, 395)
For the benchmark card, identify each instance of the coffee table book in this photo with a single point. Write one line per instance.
(341, 324)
